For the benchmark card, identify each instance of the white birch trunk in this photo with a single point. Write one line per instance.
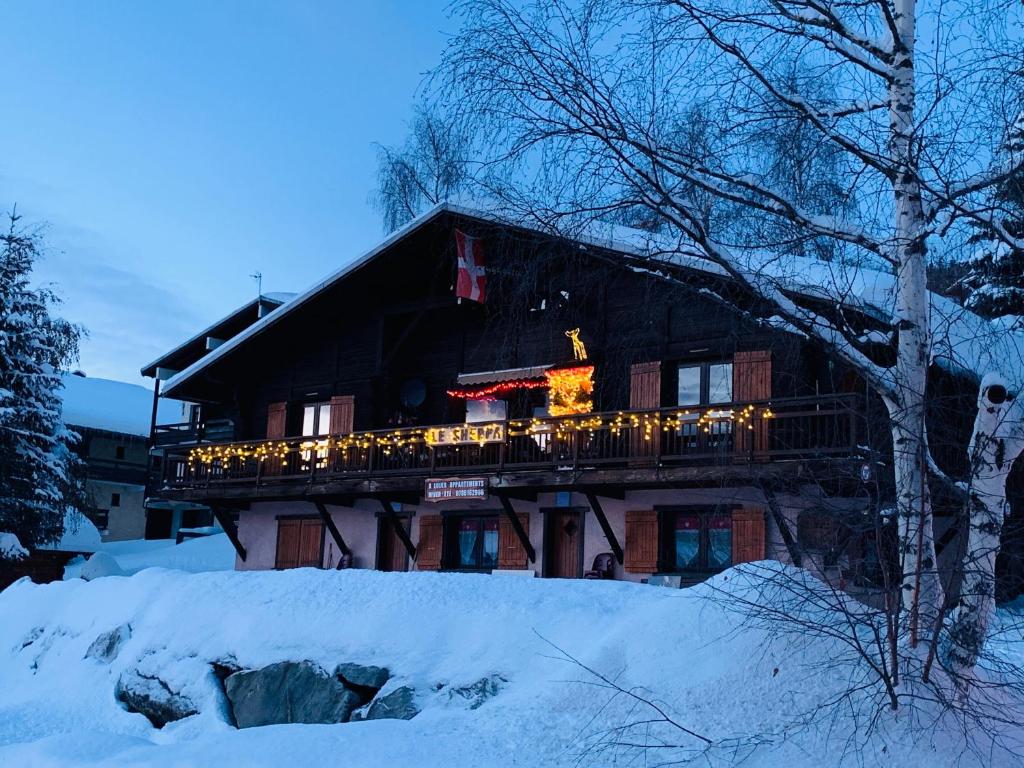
(921, 587)
(997, 440)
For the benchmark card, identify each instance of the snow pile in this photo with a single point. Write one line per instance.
(207, 553)
(436, 632)
(114, 406)
(80, 534)
(10, 547)
(99, 565)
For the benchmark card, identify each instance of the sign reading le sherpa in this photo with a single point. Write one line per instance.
(446, 488)
(464, 434)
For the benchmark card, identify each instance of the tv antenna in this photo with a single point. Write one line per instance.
(258, 277)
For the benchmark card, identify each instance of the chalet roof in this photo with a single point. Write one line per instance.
(267, 302)
(963, 341)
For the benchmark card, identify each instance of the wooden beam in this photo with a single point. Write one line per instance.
(517, 526)
(611, 493)
(229, 528)
(787, 535)
(400, 532)
(606, 527)
(521, 494)
(332, 529)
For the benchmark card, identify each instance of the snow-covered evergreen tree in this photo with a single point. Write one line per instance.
(39, 472)
(994, 284)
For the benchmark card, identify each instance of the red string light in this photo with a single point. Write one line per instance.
(502, 387)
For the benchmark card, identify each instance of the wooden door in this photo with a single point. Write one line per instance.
(564, 544)
(300, 543)
(391, 552)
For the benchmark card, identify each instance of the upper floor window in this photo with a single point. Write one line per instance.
(485, 410)
(115, 499)
(704, 384)
(119, 453)
(316, 419)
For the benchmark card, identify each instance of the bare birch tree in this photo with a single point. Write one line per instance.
(580, 103)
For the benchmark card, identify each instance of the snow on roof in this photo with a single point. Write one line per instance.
(964, 341)
(115, 406)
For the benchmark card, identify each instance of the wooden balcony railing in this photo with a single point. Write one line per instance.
(749, 432)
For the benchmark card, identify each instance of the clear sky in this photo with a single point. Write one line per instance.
(173, 148)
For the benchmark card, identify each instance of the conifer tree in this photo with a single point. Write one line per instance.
(994, 283)
(39, 472)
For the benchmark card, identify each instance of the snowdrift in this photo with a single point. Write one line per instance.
(434, 631)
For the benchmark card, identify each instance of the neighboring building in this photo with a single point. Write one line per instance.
(166, 517)
(690, 438)
(112, 419)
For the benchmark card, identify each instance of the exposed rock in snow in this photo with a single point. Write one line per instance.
(288, 692)
(477, 693)
(154, 698)
(105, 647)
(360, 676)
(99, 565)
(10, 547)
(397, 704)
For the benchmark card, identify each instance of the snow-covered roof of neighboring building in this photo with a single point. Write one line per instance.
(115, 406)
(963, 340)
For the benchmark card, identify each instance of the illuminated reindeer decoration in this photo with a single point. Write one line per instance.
(579, 351)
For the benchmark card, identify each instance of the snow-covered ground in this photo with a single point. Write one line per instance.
(434, 631)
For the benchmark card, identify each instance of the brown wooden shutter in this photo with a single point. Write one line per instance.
(511, 553)
(748, 534)
(311, 544)
(288, 532)
(641, 542)
(277, 420)
(751, 382)
(428, 552)
(645, 385)
(751, 376)
(343, 414)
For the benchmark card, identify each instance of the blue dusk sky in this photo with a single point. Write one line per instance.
(170, 150)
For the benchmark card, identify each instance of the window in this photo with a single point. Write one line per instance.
(697, 540)
(472, 542)
(704, 384)
(115, 499)
(119, 453)
(485, 410)
(316, 419)
(101, 519)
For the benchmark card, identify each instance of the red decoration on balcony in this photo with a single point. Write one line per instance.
(497, 389)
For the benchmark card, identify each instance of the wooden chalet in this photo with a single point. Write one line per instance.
(588, 412)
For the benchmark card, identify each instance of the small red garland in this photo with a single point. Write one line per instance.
(502, 387)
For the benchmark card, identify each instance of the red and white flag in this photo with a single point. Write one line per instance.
(472, 282)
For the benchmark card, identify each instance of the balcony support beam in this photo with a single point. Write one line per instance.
(517, 526)
(333, 529)
(400, 532)
(606, 528)
(225, 521)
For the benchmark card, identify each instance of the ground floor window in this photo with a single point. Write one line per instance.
(472, 542)
(697, 540)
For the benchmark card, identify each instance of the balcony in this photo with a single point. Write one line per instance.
(729, 435)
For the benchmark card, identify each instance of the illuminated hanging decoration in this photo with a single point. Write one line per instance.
(570, 390)
(498, 389)
(579, 351)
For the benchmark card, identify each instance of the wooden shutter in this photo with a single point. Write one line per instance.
(748, 534)
(641, 542)
(751, 376)
(752, 382)
(277, 418)
(343, 413)
(511, 553)
(645, 385)
(428, 551)
(311, 544)
(288, 531)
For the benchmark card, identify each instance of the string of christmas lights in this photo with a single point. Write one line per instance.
(702, 420)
